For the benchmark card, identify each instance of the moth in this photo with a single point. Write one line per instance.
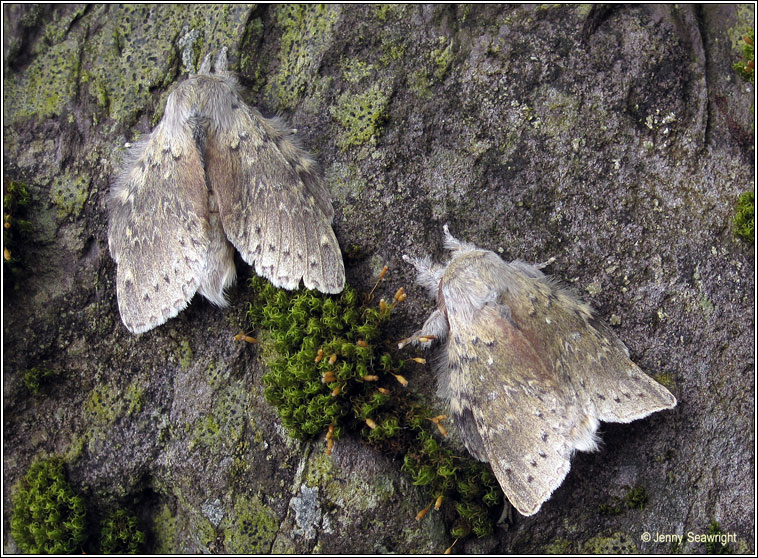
(215, 175)
(528, 371)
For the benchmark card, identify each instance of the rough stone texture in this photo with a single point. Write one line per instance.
(616, 139)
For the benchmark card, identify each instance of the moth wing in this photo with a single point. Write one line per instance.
(585, 351)
(158, 229)
(528, 425)
(274, 205)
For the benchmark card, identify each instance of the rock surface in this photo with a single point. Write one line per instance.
(616, 139)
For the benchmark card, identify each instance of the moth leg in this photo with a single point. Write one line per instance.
(546, 263)
(428, 274)
(435, 328)
(506, 516)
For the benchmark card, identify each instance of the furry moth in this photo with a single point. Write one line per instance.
(215, 175)
(528, 371)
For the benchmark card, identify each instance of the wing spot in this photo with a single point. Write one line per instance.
(599, 396)
(529, 479)
(542, 454)
(543, 436)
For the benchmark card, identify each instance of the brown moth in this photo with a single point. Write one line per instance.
(215, 175)
(528, 371)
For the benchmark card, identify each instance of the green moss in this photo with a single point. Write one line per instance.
(333, 369)
(16, 224)
(120, 533)
(306, 34)
(251, 528)
(636, 498)
(361, 115)
(744, 218)
(617, 543)
(35, 377)
(745, 66)
(714, 540)
(48, 517)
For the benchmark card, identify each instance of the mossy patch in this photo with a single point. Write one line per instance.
(334, 370)
(120, 533)
(16, 224)
(251, 529)
(35, 377)
(48, 517)
(744, 218)
(361, 115)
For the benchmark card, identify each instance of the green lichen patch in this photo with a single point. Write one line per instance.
(744, 218)
(442, 57)
(106, 402)
(184, 354)
(361, 115)
(306, 34)
(167, 530)
(251, 528)
(120, 533)
(48, 517)
(69, 193)
(617, 543)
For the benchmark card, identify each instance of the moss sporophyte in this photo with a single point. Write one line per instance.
(333, 369)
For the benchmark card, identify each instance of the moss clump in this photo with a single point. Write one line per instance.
(745, 66)
(361, 115)
(744, 218)
(120, 533)
(714, 537)
(48, 517)
(333, 370)
(327, 359)
(15, 224)
(35, 377)
(636, 498)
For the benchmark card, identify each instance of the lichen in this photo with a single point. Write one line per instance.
(306, 34)
(714, 537)
(251, 528)
(48, 517)
(617, 543)
(361, 115)
(69, 193)
(184, 354)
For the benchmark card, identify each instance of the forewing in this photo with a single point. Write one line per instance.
(158, 230)
(274, 205)
(585, 351)
(504, 391)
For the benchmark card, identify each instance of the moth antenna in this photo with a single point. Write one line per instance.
(222, 62)
(205, 66)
